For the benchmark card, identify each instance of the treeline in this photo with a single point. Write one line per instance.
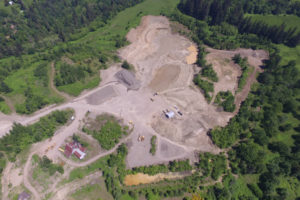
(206, 87)
(23, 24)
(277, 34)
(173, 166)
(244, 65)
(216, 12)
(21, 137)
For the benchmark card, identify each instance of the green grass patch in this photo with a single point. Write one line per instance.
(79, 173)
(76, 88)
(287, 54)
(290, 21)
(4, 108)
(92, 192)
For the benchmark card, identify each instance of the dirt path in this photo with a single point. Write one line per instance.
(241, 96)
(53, 87)
(4, 180)
(9, 103)
(26, 182)
(63, 191)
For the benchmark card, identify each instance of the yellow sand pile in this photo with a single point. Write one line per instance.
(192, 58)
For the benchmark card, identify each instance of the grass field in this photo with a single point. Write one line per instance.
(4, 108)
(290, 20)
(95, 191)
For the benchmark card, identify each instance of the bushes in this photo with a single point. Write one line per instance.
(109, 133)
(212, 165)
(226, 100)
(47, 166)
(208, 71)
(153, 145)
(207, 87)
(126, 65)
(243, 63)
(41, 71)
(173, 166)
(225, 137)
(255, 190)
(69, 74)
(32, 103)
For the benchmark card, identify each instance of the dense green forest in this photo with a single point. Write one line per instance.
(27, 27)
(218, 12)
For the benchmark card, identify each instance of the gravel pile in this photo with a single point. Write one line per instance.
(128, 79)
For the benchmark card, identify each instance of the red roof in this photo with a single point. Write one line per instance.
(68, 150)
(77, 154)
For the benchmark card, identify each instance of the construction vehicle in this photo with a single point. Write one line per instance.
(141, 138)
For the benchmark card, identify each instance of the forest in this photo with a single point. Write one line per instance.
(29, 27)
(216, 12)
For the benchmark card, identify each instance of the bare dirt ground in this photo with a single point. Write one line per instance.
(161, 65)
(228, 72)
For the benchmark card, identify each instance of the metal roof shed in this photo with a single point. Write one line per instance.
(170, 114)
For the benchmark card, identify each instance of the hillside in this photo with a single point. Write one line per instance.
(150, 99)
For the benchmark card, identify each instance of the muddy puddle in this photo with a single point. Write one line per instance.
(140, 178)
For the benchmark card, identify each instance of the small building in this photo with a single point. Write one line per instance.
(79, 154)
(11, 2)
(24, 196)
(75, 148)
(170, 114)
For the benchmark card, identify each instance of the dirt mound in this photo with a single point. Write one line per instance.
(128, 79)
(192, 58)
